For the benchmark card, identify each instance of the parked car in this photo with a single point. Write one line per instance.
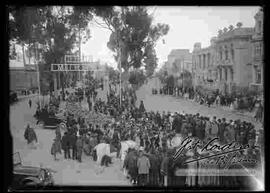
(29, 176)
(13, 96)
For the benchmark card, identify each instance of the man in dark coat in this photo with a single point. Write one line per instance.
(89, 103)
(141, 108)
(30, 103)
(154, 169)
(72, 137)
(30, 134)
(65, 145)
(158, 119)
(116, 142)
(130, 163)
(79, 148)
(221, 129)
(58, 133)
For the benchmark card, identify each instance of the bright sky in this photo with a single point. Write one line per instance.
(187, 26)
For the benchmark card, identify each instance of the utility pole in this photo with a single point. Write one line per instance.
(79, 52)
(38, 79)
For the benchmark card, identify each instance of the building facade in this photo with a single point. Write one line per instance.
(227, 64)
(203, 65)
(257, 53)
(179, 60)
(233, 60)
(23, 78)
(233, 63)
(22, 69)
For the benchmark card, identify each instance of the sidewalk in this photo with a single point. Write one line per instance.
(26, 96)
(225, 108)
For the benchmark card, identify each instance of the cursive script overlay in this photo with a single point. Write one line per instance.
(227, 154)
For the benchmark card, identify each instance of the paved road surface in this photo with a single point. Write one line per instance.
(172, 104)
(168, 103)
(68, 172)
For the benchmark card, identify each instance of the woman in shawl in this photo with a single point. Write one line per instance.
(30, 135)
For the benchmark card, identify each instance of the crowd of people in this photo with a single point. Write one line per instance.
(232, 101)
(157, 135)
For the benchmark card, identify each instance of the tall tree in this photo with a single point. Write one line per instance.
(133, 36)
(54, 27)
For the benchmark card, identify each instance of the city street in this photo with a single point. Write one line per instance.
(67, 172)
(169, 103)
(121, 82)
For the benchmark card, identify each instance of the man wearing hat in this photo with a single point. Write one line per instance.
(221, 130)
(66, 145)
(79, 148)
(143, 165)
(73, 138)
(229, 134)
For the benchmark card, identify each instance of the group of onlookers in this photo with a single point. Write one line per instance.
(157, 134)
(232, 101)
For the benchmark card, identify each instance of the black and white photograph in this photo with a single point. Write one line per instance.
(140, 97)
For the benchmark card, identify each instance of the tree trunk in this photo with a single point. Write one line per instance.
(63, 86)
(23, 54)
(29, 57)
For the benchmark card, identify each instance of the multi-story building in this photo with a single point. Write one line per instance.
(22, 77)
(257, 52)
(227, 63)
(178, 61)
(203, 68)
(234, 59)
(22, 69)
